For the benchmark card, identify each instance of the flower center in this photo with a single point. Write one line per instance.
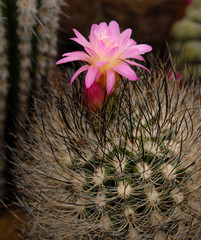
(102, 35)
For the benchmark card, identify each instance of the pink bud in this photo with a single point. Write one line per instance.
(94, 97)
(173, 76)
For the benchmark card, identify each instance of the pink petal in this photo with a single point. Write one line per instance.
(98, 75)
(143, 48)
(80, 39)
(65, 60)
(123, 69)
(112, 53)
(91, 75)
(138, 57)
(114, 27)
(135, 51)
(70, 59)
(129, 53)
(101, 47)
(124, 37)
(100, 64)
(110, 81)
(79, 55)
(82, 69)
(131, 42)
(137, 64)
(93, 36)
(94, 28)
(92, 53)
(102, 26)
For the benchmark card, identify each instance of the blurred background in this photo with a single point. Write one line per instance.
(150, 21)
(177, 22)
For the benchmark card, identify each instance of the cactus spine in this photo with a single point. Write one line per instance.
(131, 171)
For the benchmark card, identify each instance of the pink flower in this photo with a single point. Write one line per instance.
(107, 55)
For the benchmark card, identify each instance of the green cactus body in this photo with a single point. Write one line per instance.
(187, 35)
(131, 171)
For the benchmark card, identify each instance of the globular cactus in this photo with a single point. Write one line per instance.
(128, 171)
(28, 48)
(187, 35)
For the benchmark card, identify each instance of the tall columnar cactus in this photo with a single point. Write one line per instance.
(128, 171)
(47, 47)
(28, 47)
(26, 18)
(187, 35)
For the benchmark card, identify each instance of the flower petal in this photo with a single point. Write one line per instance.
(143, 48)
(79, 55)
(94, 28)
(80, 38)
(65, 60)
(102, 26)
(110, 81)
(129, 53)
(93, 34)
(137, 64)
(100, 64)
(124, 37)
(114, 27)
(131, 42)
(93, 54)
(91, 75)
(112, 53)
(98, 75)
(82, 69)
(138, 57)
(135, 51)
(123, 69)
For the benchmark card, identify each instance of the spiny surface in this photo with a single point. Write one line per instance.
(130, 171)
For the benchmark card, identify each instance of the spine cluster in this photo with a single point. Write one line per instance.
(131, 171)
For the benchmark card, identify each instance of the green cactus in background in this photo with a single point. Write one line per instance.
(187, 35)
(28, 48)
(130, 171)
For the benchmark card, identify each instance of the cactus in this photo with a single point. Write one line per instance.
(187, 35)
(28, 43)
(129, 171)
